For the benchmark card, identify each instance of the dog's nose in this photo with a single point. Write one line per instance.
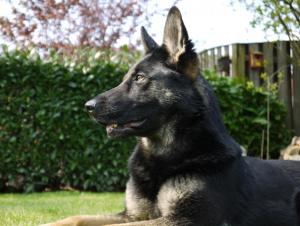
(90, 106)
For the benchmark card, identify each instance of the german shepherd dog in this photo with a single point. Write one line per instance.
(186, 169)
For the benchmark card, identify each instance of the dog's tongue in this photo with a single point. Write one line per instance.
(134, 124)
(110, 128)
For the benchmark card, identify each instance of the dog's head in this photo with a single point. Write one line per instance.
(155, 88)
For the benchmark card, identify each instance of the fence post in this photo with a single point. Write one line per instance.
(212, 59)
(234, 59)
(227, 54)
(254, 74)
(209, 59)
(285, 94)
(226, 51)
(296, 93)
(238, 60)
(219, 53)
(205, 59)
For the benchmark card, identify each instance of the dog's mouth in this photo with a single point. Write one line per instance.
(123, 129)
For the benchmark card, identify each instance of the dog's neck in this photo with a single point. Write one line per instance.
(161, 141)
(201, 138)
(194, 136)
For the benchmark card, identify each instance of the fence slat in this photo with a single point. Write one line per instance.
(254, 74)
(283, 56)
(242, 60)
(296, 96)
(226, 51)
(238, 60)
(205, 60)
(213, 59)
(277, 56)
(210, 60)
(219, 53)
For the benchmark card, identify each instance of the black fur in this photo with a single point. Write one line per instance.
(184, 146)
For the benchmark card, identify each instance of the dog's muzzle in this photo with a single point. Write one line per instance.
(90, 106)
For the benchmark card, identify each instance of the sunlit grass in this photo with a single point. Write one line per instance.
(37, 208)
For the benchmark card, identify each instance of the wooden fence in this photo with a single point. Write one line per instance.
(252, 59)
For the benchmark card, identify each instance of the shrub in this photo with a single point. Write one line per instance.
(244, 109)
(46, 137)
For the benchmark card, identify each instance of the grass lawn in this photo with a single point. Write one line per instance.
(37, 208)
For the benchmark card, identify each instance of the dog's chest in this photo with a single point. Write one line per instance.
(171, 192)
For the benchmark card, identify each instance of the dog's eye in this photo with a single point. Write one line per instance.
(140, 77)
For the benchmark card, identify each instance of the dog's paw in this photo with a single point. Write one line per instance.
(56, 224)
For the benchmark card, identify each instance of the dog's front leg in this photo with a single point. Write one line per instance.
(159, 222)
(162, 221)
(90, 220)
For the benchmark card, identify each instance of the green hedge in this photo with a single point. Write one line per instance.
(244, 109)
(47, 139)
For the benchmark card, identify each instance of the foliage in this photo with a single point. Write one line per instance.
(71, 24)
(281, 17)
(63, 24)
(244, 109)
(46, 137)
(38, 208)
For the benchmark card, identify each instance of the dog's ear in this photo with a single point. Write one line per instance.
(148, 42)
(178, 45)
(175, 34)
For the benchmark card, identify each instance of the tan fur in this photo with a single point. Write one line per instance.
(137, 207)
(146, 143)
(175, 190)
(156, 222)
(291, 152)
(175, 49)
(167, 132)
(175, 38)
(88, 220)
(192, 70)
(174, 56)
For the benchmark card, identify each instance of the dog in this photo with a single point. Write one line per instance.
(291, 152)
(186, 169)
